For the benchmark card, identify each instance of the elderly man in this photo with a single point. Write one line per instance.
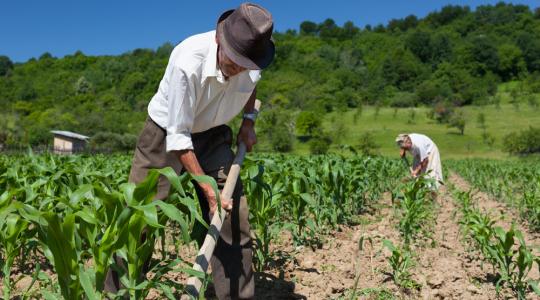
(426, 158)
(209, 79)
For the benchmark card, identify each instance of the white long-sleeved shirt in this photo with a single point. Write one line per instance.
(194, 96)
(421, 145)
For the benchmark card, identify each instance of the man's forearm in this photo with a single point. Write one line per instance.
(249, 107)
(421, 166)
(189, 161)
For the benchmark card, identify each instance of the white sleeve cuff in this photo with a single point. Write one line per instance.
(178, 141)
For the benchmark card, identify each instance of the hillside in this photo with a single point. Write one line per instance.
(454, 56)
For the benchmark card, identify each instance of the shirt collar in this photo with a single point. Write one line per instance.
(210, 68)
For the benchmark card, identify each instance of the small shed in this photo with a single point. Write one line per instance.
(67, 142)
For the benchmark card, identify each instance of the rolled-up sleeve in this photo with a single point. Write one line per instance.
(181, 112)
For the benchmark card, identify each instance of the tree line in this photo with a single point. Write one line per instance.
(452, 57)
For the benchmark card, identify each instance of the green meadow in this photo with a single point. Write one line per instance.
(385, 123)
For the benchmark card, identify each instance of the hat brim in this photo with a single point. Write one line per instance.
(250, 64)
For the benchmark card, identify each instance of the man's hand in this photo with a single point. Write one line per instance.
(191, 164)
(208, 191)
(247, 134)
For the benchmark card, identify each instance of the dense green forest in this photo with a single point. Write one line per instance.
(453, 57)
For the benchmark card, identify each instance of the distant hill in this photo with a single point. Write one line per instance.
(454, 56)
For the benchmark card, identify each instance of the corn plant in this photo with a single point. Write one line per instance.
(263, 205)
(12, 238)
(80, 214)
(400, 262)
(498, 247)
(514, 182)
(414, 209)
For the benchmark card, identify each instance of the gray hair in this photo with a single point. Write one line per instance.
(401, 138)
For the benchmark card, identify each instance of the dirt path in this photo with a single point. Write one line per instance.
(446, 271)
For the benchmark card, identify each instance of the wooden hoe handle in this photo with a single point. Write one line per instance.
(202, 261)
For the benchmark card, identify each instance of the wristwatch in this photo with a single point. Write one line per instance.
(251, 116)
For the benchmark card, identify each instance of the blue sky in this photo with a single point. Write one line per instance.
(28, 28)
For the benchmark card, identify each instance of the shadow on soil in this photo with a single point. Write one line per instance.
(268, 286)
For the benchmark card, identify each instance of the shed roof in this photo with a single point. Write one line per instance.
(70, 134)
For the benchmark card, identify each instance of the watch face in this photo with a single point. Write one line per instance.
(250, 116)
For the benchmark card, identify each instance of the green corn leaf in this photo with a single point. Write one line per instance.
(49, 295)
(173, 178)
(175, 214)
(388, 244)
(167, 291)
(80, 194)
(87, 277)
(194, 273)
(145, 191)
(208, 180)
(192, 206)
(150, 214)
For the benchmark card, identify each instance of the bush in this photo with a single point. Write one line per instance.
(308, 123)
(281, 139)
(403, 99)
(441, 112)
(112, 142)
(367, 145)
(275, 126)
(523, 142)
(457, 121)
(320, 144)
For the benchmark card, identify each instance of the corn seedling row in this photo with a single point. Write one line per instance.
(506, 250)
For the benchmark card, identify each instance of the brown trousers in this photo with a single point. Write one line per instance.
(232, 261)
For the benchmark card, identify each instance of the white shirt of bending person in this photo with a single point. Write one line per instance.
(194, 96)
(421, 146)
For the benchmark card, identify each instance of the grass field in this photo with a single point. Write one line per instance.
(389, 122)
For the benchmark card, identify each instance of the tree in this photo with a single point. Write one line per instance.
(441, 112)
(458, 121)
(511, 63)
(164, 50)
(9, 131)
(447, 15)
(83, 86)
(349, 30)
(485, 54)
(481, 121)
(530, 46)
(402, 69)
(6, 65)
(132, 85)
(329, 29)
(308, 123)
(367, 144)
(308, 28)
(274, 126)
(419, 42)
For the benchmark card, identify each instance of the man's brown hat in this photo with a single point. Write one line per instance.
(245, 34)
